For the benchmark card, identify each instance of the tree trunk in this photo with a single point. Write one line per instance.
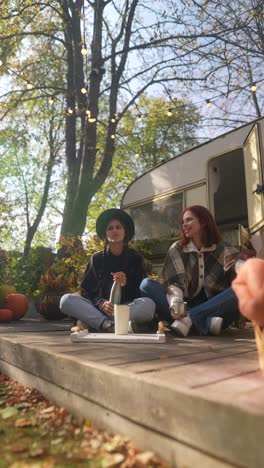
(83, 183)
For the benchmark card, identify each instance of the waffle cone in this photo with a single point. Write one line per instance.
(259, 335)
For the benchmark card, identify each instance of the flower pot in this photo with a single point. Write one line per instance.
(49, 306)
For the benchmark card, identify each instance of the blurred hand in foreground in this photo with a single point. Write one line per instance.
(249, 289)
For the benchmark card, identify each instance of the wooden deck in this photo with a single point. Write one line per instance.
(197, 402)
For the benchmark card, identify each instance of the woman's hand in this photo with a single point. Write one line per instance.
(249, 288)
(120, 278)
(108, 308)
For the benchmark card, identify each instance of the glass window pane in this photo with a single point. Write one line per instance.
(159, 218)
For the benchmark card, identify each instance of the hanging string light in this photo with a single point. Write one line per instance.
(84, 50)
(113, 137)
(114, 118)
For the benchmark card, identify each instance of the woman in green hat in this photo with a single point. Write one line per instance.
(119, 263)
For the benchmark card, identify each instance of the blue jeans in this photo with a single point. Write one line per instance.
(142, 310)
(200, 308)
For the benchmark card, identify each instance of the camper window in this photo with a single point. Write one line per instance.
(158, 218)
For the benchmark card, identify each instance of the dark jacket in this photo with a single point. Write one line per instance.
(97, 280)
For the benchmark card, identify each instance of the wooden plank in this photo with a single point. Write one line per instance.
(248, 389)
(181, 360)
(34, 325)
(201, 374)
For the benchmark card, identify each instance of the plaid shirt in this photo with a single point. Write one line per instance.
(190, 269)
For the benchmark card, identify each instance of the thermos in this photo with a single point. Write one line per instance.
(115, 293)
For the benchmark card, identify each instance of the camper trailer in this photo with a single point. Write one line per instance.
(224, 174)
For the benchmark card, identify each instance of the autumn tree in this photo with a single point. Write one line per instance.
(229, 49)
(30, 175)
(132, 47)
(150, 135)
(129, 51)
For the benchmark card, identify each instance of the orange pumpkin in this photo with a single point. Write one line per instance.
(6, 315)
(18, 303)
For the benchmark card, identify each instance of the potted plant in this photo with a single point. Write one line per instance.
(52, 288)
(64, 274)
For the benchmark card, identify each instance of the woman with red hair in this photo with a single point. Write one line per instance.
(198, 270)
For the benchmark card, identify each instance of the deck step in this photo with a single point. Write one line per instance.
(195, 402)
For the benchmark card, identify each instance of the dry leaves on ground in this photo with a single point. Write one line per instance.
(36, 433)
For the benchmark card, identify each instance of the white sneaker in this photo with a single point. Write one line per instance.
(182, 327)
(215, 325)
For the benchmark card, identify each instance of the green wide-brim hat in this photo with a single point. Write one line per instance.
(114, 213)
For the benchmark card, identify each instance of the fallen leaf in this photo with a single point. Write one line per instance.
(19, 448)
(56, 441)
(23, 422)
(95, 444)
(144, 458)
(50, 409)
(163, 356)
(38, 452)
(115, 444)
(112, 460)
(4, 387)
(8, 412)
(22, 405)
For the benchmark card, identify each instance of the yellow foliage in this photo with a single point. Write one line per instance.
(52, 282)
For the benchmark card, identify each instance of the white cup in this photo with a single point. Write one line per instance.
(121, 314)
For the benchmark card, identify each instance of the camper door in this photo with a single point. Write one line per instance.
(253, 159)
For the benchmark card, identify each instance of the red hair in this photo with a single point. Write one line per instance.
(210, 233)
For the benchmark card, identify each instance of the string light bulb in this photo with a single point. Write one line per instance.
(1, 63)
(139, 118)
(51, 100)
(91, 119)
(253, 87)
(208, 103)
(29, 85)
(83, 90)
(113, 137)
(169, 113)
(70, 111)
(84, 50)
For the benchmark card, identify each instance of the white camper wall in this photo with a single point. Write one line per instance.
(196, 196)
(184, 170)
